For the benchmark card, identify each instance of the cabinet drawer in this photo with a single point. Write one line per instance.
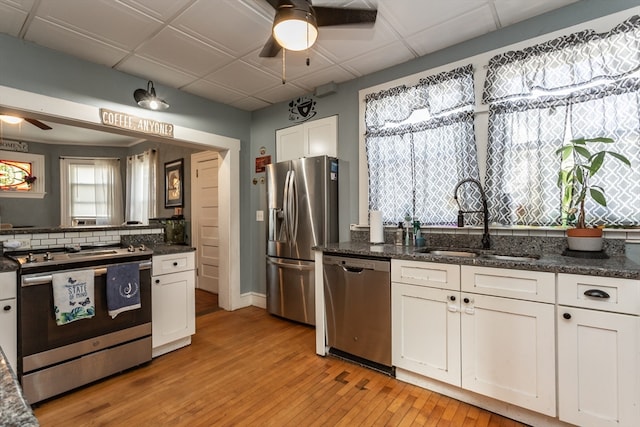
(435, 275)
(163, 264)
(8, 285)
(502, 282)
(599, 293)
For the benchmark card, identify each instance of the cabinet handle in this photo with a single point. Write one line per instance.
(157, 280)
(466, 300)
(566, 316)
(7, 308)
(452, 298)
(175, 263)
(596, 293)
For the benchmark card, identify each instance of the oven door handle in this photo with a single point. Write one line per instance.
(100, 271)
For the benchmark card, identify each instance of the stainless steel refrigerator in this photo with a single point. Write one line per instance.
(302, 199)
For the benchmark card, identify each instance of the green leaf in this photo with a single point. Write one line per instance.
(620, 157)
(601, 139)
(583, 152)
(565, 150)
(596, 162)
(578, 141)
(598, 196)
(579, 175)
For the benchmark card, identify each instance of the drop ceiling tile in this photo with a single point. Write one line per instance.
(213, 91)
(231, 26)
(155, 71)
(162, 10)
(510, 12)
(467, 26)
(183, 52)
(12, 16)
(62, 39)
(106, 20)
(340, 44)
(250, 104)
(383, 57)
(331, 74)
(409, 16)
(280, 93)
(245, 77)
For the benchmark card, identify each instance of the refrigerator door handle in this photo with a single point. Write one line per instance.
(286, 207)
(293, 218)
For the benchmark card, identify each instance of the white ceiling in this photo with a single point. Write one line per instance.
(210, 47)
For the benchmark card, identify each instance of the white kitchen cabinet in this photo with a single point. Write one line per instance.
(425, 319)
(487, 330)
(314, 138)
(598, 351)
(508, 344)
(9, 316)
(173, 302)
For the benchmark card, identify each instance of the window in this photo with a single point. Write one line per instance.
(581, 85)
(91, 191)
(21, 175)
(141, 187)
(420, 142)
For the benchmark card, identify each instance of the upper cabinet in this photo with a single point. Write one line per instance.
(314, 138)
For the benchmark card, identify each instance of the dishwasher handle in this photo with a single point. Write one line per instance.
(356, 270)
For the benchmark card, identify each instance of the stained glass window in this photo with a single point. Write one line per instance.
(15, 175)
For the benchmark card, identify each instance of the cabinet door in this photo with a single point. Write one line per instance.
(290, 143)
(321, 137)
(598, 368)
(9, 317)
(508, 351)
(173, 307)
(426, 331)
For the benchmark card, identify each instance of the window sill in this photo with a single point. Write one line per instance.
(22, 194)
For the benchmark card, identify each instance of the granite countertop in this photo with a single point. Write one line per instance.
(166, 249)
(7, 264)
(14, 410)
(614, 266)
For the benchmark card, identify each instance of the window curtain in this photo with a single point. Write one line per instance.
(581, 85)
(141, 187)
(420, 142)
(91, 188)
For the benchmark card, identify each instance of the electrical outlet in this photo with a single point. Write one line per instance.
(24, 243)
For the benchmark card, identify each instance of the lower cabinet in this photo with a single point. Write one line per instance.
(493, 343)
(173, 299)
(9, 316)
(598, 351)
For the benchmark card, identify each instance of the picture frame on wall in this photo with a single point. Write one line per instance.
(173, 184)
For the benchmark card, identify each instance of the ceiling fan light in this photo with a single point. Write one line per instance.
(148, 99)
(12, 120)
(295, 29)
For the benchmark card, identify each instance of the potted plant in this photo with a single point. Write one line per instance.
(575, 181)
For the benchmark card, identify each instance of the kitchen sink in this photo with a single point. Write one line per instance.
(526, 258)
(450, 252)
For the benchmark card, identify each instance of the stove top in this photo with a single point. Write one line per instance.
(70, 255)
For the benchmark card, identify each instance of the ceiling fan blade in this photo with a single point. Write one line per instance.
(38, 123)
(328, 16)
(270, 49)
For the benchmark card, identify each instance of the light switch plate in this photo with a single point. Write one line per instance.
(259, 215)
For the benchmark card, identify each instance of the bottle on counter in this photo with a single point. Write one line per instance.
(398, 237)
(408, 237)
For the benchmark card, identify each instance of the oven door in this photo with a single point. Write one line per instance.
(42, 342)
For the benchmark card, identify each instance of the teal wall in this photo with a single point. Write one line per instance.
(35, 69)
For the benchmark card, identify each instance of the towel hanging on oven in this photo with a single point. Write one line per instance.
(73, 296)
(123, 288)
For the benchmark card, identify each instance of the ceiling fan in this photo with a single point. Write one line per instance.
(303, 13)
(15, 120)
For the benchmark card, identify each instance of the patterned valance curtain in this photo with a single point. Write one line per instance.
(413, 167)
(569, 62)
(540, 97)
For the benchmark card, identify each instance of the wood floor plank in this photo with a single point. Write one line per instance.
(248, 368)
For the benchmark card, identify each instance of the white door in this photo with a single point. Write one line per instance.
(204, 201)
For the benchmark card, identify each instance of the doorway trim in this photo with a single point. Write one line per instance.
(58, 110)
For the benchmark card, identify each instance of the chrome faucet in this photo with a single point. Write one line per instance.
(486, 242)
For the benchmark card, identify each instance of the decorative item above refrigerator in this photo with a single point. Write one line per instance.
(302, 201)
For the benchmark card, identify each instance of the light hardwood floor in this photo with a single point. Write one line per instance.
(247, 368)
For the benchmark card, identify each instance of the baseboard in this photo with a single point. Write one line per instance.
(253, 299)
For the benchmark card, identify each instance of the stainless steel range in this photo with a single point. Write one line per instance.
(54, 358)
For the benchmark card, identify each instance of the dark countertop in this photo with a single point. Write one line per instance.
(14, 410)
(7, 264)
(615, 266)
(165, 249)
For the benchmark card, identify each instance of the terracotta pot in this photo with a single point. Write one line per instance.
(585, 239)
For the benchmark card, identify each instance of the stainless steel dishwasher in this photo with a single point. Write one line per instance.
(358, 308)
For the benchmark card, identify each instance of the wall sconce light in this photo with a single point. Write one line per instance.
(295, 28)
(148, 98)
